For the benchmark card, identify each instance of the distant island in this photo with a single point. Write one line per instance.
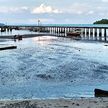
(1, 24)
(103, 21)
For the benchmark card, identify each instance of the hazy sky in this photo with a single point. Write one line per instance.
(52, 11)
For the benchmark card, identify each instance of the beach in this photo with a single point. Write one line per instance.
(57, 103)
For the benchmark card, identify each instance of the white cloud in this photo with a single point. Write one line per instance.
(91, 12)
(45, 9)
(81, 9)
(4, 9)
(104, 0)
(78, 8)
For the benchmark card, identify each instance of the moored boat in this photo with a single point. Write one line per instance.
(75, 35)
(100, 93)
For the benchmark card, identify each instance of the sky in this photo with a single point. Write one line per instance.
(52, 11)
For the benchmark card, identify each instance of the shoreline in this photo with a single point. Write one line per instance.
(26, 36)
(56, 103)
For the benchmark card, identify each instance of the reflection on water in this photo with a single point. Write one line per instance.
(44, 40)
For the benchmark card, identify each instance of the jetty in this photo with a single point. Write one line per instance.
(98, 33)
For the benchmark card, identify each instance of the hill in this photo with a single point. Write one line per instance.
(103, 21)
(1, 24)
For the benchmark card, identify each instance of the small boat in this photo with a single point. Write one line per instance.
(19, 37)
(74, 34)
(100, 93)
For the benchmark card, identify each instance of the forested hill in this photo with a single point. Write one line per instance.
(103, 21)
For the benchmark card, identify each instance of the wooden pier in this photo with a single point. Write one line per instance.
(91, 33)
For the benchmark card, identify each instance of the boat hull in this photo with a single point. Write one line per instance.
(100, 93)
(74, 35)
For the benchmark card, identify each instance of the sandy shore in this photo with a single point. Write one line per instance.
(57, 103)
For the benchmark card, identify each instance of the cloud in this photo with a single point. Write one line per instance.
(45, 9)
(4, 9)
(91, 12)
(104, 0)
(78, 8)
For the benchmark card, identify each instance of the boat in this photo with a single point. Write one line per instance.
(101, 93)
(75, 35)
(19, 37)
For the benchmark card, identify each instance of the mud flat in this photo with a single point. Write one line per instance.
(57, 103)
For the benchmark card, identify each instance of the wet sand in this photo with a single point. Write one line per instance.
(57, 103)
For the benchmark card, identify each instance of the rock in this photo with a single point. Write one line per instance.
(44, 76)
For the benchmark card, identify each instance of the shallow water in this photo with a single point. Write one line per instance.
(51, 67)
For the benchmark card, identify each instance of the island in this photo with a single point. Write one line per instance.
(1, 24)
(103, 21)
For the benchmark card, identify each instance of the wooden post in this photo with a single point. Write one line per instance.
(54, 30)
(91, 33)
(100, 34)
(95, 33)
(60, 31)
(57, 30)
(87, 33)
(83, 32)
(69, 29)
(105, 34)
(64, 31)
(51, 30)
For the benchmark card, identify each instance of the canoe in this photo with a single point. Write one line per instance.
(100, 93)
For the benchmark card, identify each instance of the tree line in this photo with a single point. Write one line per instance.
(103, 21)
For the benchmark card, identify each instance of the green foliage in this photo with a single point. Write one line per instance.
(103, 21)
